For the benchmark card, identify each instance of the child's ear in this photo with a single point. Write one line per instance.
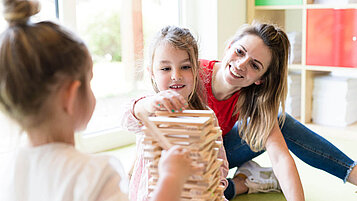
(149, 69)
(70, 95)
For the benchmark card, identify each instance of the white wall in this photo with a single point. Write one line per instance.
(213, 22)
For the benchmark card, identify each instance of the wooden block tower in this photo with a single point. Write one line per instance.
(195, 130)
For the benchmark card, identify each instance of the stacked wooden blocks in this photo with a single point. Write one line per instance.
(196, 131)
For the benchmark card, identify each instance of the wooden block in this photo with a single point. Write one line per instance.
(163, 142)
(212, 135)
(151, 148)
(186, 130)
(191, 113)
(152, 155)
(198, 122)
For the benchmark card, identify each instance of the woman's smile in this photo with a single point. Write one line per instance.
(234, 72)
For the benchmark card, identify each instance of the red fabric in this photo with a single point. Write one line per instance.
(223, 109)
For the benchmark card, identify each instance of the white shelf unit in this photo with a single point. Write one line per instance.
(294, 18)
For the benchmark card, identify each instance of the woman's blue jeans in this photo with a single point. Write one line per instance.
(304, 143)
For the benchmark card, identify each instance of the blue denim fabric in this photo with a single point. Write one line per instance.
(304, 143)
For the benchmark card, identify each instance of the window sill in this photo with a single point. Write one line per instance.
(103, 140)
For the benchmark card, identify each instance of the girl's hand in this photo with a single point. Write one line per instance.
(166, 100)
(176, 163)
(174, 169)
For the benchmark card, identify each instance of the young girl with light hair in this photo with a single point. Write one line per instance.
(174, 72)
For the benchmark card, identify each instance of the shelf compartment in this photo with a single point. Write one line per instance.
(279, 7)
(333, 102)
(329, 68)
(277, 2)
(331, 38)
(331, 6)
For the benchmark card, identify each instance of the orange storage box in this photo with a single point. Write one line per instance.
(331, 38)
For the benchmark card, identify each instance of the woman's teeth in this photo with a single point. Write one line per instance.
(234, 73)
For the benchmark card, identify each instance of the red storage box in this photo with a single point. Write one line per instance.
(331, 38)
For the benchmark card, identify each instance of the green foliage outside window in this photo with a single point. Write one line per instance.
(102, 35)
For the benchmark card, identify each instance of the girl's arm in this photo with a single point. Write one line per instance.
(283, 165)
(168, 100)
(128, 121)
(147, 105)
(175, 167)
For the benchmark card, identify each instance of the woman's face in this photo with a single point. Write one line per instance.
(246, 61)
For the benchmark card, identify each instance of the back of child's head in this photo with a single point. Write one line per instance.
(181, 38)
(35, 58)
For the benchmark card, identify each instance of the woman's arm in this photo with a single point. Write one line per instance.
(284, 166)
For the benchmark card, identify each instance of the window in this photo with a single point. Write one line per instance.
(100, 24)
(119, 76)
(47, 12)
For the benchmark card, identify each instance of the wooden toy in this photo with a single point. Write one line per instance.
(195, 130)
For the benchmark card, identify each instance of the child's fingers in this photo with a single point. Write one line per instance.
(179, 104)
(178, 150)
(194, 168)
(170, 100)
(175, 149)
(177, 100)
(183, 102)
(157, 105)
(167, 104)
(163, 101)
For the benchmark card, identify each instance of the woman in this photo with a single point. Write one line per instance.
(246, 91)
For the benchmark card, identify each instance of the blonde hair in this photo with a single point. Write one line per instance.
(258, 105)
(181, 38)
(34, 59)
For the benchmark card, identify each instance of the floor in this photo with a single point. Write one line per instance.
(318, 185)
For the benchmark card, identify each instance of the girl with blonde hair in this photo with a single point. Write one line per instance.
(174, 72)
